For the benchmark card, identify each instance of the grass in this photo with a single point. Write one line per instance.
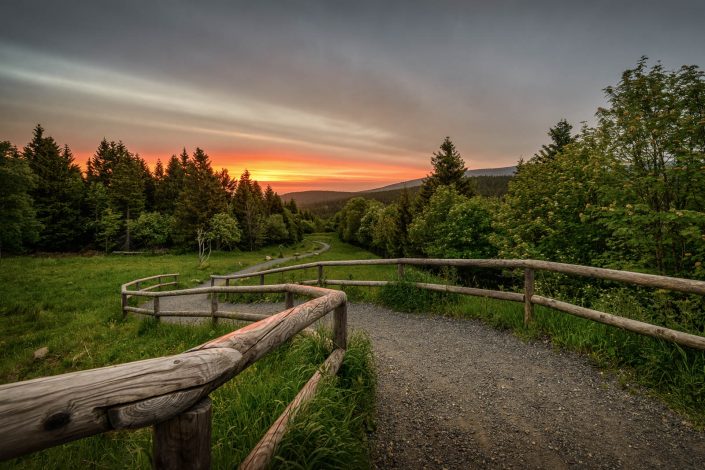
(70, 304)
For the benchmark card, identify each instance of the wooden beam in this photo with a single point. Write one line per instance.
(47, 411)
(528, 293)
(261, 455)
(685, 339)
(340, 326)
(184, 442)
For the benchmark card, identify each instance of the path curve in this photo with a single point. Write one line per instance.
(457, 394)
(193, 303)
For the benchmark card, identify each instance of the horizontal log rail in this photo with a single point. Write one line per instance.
(169, 392)
(527, 297)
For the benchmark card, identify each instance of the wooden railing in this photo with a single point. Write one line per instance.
(133, 288)
(170, 392)
(528, 297)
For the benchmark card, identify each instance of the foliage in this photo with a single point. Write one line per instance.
(224, 230)
(275, 230)
(17, 215)
(152, 229)
(448, 170)
(107, 227)
(560, 137)
(58, 193)
(201, 197)
(453, 226)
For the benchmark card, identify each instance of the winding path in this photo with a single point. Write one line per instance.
(457, 394)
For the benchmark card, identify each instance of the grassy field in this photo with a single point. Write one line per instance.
(70, 304)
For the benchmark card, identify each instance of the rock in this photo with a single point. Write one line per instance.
(41, 353)
(268, 258)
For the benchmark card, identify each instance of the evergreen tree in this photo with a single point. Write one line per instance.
(126, 192)
(272, 202)
(560, 137)
(248, 205)
(448, 170)
(58, 194)
(17, 216)
(168, 190)
(201, 198)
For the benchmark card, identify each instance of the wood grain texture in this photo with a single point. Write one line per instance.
(685, 339)
(184, 442)
(649, 280)
(528, 294)
(261, 455)
(154, 410)
(47, 411)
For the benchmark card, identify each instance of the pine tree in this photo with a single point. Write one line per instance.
(248, 206)
(448, 170)
(58, 194)
(17, 216)
(168, 191)
(272, 202)
(201, 198)
(560, 137)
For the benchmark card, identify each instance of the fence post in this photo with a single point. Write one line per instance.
(184, 441)
(156, 308)
(320, 275)
(124, 304)
(289, 300)
(340, 326)
(400, 270)
(528, 293)
(214, 307)
(227, 284)
(261, 279)
(159, 283)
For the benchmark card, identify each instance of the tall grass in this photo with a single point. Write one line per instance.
(71, 305)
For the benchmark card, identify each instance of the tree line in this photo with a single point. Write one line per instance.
(628, 193)
(48, 204)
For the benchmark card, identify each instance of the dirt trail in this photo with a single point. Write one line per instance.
(458, 394)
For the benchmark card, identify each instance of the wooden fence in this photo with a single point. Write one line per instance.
(170, 393)
(528, 297)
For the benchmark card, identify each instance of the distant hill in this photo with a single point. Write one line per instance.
(488, 181)
(503, 171)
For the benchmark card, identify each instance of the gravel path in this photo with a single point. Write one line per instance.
(456, 394)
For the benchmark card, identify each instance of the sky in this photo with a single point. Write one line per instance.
(334, 95)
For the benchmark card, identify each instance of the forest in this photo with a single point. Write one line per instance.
(47, 204)
(627, 193)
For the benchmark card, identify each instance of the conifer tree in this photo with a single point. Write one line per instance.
(58, 193)
(448, 170)
(201, 198)
(17, 216)
(248, 206)
(560, 137)
(168, 191)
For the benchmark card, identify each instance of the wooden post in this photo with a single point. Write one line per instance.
(214, 307)
(156, 308)
(400, 270)
(320, 275)
(528, 293)
(340, 326)
(289, 300)
(261, 279)
(227, 284)
(159, 283)
(124, 304)
(137, 285)
(184, 442)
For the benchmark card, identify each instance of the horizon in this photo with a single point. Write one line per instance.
(310, 96)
